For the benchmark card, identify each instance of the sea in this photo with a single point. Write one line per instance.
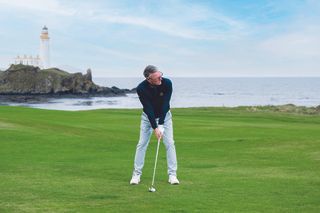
(202, 92)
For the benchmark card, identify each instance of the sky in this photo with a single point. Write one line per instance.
(183, 38)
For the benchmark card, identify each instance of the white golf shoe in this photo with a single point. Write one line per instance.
(173, 180)
(135, 180)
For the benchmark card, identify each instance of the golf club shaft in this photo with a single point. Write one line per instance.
(155, 163)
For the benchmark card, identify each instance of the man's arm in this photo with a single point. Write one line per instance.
(147, 107)
(166, 102)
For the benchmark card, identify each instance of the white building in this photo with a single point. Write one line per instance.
(43, 59)
(34, 61)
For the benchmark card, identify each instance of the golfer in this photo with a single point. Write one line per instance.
(155, 94)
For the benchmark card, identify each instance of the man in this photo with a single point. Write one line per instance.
(155, 94)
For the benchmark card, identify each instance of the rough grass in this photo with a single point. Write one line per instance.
(55, 71)
(287, 108)
(230, 160)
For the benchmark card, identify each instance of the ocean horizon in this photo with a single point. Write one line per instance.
(202, 92)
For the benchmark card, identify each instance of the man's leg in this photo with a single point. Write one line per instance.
(145, 134)
(169, 144)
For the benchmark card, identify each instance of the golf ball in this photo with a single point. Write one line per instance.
(151, 189)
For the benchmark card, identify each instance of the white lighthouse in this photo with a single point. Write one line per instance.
(44, 48)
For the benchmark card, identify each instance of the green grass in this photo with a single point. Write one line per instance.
(230, 160)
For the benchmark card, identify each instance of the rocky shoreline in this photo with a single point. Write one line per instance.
(43, 98)
(29, 84)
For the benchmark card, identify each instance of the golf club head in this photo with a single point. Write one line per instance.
(152, 189)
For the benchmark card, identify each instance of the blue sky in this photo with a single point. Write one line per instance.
(217, 38)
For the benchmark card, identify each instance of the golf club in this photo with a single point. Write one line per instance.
(152, 189)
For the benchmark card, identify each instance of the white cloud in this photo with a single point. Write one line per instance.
(176, 34)
(169, 28)
(47, 6)
(181, 23)
(304, 43)
(178, 19)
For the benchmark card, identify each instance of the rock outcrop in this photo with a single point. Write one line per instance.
(29, 80)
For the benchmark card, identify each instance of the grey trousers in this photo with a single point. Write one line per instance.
(145, 135)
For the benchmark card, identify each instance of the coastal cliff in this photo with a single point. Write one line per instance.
(29, 80)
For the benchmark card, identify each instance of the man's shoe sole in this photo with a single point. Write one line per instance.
(173, 183)
(134, 183)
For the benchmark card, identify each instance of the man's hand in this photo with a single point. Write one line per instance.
(158, 133)
(161, 128)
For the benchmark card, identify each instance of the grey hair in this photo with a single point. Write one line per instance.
(149, 70)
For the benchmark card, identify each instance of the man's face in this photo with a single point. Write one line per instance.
(155, 78)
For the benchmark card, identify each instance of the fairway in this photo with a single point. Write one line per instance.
(229, 160)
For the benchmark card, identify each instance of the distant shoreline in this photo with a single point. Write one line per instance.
(190, 93)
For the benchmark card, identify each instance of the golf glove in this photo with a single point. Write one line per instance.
(161, 128)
